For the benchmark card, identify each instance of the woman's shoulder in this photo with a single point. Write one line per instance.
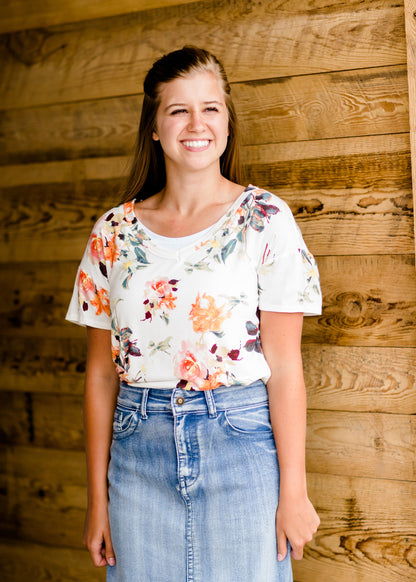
(265, 204)
(116, 217)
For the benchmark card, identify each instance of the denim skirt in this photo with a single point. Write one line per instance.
(193, 487)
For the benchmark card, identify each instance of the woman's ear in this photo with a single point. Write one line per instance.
(155, 137)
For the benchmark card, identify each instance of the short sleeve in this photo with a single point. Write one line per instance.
(288, 276)
(90, 303)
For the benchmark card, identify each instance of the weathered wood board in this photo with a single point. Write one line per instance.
(367, 531)
(38, 13)
(38, 563)
(109, 56)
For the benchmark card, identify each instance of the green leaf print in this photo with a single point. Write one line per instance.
(162, 346)
(228, 249)
(141, 256)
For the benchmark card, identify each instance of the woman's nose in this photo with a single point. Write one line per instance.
(196, 122)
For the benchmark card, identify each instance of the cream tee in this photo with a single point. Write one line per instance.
(189, 317)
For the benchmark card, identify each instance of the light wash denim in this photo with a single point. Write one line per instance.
(193, 487)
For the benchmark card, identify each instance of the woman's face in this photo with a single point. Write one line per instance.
(192, 122)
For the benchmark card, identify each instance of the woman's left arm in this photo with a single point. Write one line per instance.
(296, 518)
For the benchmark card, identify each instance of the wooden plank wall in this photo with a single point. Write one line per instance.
(321, 89)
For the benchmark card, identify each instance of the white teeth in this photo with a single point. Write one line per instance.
(200, 143)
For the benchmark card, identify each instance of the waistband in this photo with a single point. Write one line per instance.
(181, 401)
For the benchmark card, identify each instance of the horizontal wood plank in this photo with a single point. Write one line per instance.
(109, 57)
(45, 495)
(43, 563)
(309, 107)
(20, 15)
(349, 196)
(368, 301)
(359, 444)
(357, 379)
(366, 534)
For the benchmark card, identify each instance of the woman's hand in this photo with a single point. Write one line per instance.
(97, 536)
(296, 522)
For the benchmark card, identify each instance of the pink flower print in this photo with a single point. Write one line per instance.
(190, 364)
(160, 298)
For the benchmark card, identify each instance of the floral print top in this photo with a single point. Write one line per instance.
(190, 318)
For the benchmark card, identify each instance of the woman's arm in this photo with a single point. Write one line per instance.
(101, 389)
(296, 519)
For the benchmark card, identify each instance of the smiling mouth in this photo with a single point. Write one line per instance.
(196, 143)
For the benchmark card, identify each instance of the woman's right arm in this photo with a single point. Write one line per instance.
(101, 389)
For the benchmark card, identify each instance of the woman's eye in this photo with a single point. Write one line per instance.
(176, 111)
(211, 109)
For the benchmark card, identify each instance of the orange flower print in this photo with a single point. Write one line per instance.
(101, 302)
(92, 295)
(101, 251)
(206, 316)
(111, 252)
(213, 381)
(160, 298)
(96, 249)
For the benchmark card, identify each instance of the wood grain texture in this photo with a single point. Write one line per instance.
(359, 444)
(410, 20)
(45, 563)
(21, 15)
(357, 379)
(309, 107)
(46, 495)
(109, 57)
(368, 301)
(367, 531)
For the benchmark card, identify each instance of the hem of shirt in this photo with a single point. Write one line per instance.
(173, 385)
(87, 323)
(310, 312)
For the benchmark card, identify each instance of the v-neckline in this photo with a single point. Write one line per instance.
(206, 234)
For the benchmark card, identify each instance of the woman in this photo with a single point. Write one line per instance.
(195, 289)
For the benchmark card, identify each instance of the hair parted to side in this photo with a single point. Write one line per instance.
(147, 173)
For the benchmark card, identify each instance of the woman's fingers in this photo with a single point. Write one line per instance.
(281, 545)
(109, 551)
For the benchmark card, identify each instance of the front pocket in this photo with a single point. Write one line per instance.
(250, 420)
(125, 422)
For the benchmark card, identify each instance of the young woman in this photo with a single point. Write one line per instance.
(193, 293)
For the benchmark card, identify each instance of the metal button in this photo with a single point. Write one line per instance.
(180, 400)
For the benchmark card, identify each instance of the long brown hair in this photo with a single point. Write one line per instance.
(148, 173)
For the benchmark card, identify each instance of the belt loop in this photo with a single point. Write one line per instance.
(209, 399)
(143, 406)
